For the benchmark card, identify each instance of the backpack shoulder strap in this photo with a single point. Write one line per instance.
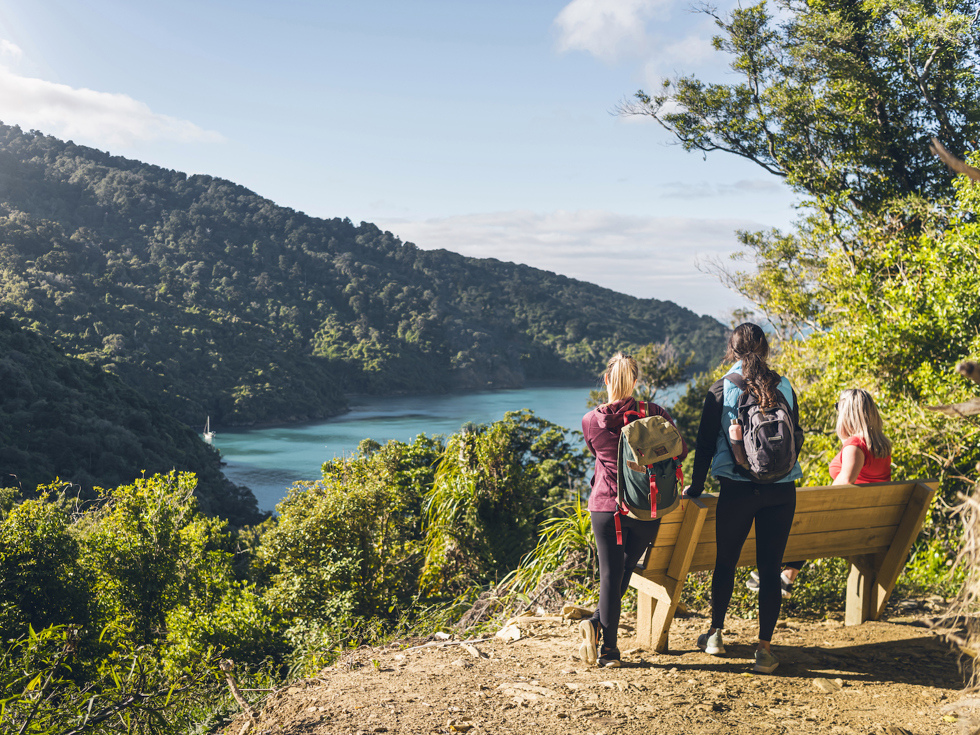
(644, 408)
(738, 380)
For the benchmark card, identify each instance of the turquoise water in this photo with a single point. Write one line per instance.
(270, 460)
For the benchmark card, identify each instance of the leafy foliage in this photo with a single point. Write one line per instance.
(127, 691)
(836, 97)
(42, 582)
(880, 275)
(114, 610)
(491, 490)
(350, 545)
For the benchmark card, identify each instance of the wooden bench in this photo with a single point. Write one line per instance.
(872, 526)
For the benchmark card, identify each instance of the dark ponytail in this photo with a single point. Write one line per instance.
(748, 343)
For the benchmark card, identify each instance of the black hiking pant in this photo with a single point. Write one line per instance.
(772, 508)
(616, 564)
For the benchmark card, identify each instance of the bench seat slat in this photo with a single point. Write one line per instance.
(806, 522)
(801, 546)
(827, 497)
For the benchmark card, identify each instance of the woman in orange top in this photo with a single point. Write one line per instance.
(866, 456)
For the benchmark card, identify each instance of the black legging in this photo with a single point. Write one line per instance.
(772, 509)
(616, 565)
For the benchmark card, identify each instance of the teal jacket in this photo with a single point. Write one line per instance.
(713, 448)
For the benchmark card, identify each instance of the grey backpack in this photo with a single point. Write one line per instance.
(768, 433)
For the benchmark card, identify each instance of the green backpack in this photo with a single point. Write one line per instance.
(649, 478)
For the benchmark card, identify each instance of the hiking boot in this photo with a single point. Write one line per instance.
(588, 651)
(711, 643)
(609, 658)
(765, 662)
(753, 581)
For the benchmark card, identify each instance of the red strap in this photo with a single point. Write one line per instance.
(654, 491)
(619, 529)
(642, 409)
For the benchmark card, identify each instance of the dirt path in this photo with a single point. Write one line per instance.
(892, 677)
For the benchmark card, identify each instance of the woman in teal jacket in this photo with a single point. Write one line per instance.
(741, 500)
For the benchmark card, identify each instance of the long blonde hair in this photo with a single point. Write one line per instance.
(621, 375)
(858, 415)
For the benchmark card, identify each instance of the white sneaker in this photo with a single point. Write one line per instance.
(711, 643)
(588, 651)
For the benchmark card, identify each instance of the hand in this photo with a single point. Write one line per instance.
(688, 493)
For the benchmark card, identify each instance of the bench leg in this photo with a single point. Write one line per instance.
(663, 616)
(894, 559)
(656, 604)
(656, 612)
(860, 589)
(644, 620)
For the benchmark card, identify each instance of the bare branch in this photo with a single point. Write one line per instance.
(960, 167)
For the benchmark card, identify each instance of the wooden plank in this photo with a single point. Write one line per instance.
(832, 520)
(660, 596)
(680, 562)
(898, 551)
(644, 616)
(655, 596)
(860, 589)
(650, 587)
(687, 541)
(808, 546)
(657, 562)
(828, 542)
(667, 535)
(847, 497)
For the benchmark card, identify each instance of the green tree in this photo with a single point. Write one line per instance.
(42, 582)
(838, 98)
(493, 487)
(350, 544)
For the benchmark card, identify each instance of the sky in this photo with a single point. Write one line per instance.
(485, 128)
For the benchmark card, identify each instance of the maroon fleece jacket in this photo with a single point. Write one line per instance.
(601, 427)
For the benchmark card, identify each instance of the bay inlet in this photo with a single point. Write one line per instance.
(270, 460)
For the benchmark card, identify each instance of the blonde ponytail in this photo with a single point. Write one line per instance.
(621, 375)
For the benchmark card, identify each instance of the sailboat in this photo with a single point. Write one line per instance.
(208, 434)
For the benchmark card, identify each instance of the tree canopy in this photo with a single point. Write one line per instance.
(838, 97)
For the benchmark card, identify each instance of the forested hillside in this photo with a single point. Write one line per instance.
(62, 418)
(216, 302)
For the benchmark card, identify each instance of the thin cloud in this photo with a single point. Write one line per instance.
(648, 257)
(643, 31)
(101, 118)
(708, 190)
(607, 29)
(10, 50)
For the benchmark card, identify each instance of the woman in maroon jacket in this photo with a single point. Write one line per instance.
(601, 427)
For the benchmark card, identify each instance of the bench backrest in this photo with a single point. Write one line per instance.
(831, 521)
